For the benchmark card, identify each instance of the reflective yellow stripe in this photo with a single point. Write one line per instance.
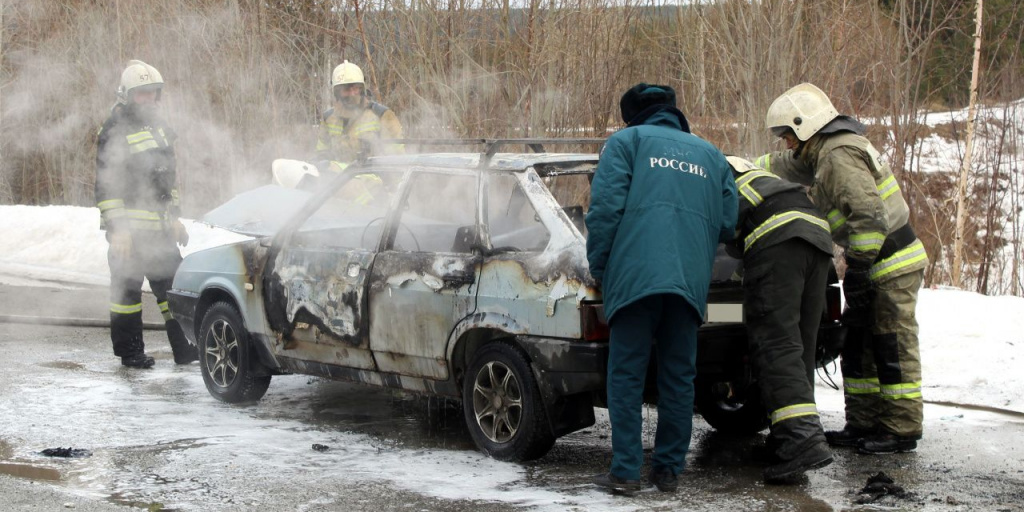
(913, 253)
(165, 311)
(370, 126)
(138, 137)
(175, 197)
(747, 177)
(777, 220)
(370, 177)
(143, 215)
(125, 309)
(836, 219)
(748, 191)
(143, 146)
(793, 411)
(863, 242)
(335, 129)
(764, 162)
(888, 187)
(900, 391)
(341, 166)
(141, 141)
(109, 204)
(862, 386)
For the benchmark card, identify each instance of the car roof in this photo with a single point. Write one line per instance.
(544, 163)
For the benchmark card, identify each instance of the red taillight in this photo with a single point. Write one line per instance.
(595, 326)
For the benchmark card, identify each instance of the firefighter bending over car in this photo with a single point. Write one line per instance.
(137, 195)
(787, 252)
(868, 217)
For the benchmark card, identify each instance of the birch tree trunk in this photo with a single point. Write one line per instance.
(961, 191)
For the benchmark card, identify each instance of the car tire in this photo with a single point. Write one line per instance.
(737, 412)
(225, 357)
(503, 407)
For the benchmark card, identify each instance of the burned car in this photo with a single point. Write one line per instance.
(458, 275)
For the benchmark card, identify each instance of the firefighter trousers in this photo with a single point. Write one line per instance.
(881, 362)
(784, 298)
(154, 256)
(667, 324)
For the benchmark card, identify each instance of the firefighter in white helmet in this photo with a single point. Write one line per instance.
(869, 218)
(355, 125)
(137, 195)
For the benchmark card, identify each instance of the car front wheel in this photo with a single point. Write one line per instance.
(225, 354)
(503, 407)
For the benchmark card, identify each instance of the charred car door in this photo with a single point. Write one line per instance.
(317, 282)
(423, 280)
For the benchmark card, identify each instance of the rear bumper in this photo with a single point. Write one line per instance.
(566, 367)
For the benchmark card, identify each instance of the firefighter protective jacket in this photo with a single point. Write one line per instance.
(860, 197)
(773, 210)
(341, 140)
(135, 173)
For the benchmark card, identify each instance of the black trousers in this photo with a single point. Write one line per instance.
(154, 256)
(784, 297)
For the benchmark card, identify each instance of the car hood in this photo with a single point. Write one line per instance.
(258, 212)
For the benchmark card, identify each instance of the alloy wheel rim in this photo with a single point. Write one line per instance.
(222, 353)
(497, 402)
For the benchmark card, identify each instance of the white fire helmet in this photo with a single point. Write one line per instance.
(741, 165)
(805, 109)
(346, 73)
(138, 76)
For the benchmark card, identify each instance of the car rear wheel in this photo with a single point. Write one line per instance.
(225, 357)
(503, 407)
(731, 408)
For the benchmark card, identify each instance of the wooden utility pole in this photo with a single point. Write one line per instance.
(961, 191)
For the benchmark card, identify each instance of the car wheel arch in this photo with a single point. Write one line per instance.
(476, 331)
(208, 298)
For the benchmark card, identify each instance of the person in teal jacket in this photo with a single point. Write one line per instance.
(661, 201)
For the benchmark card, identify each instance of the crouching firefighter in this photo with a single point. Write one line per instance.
(139, 207)
(885, 261)
(787, 251)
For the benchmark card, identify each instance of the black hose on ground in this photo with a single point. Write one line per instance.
(70, 322)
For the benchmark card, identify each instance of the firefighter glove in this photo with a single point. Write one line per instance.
(857, 285)
(120, 244)
(180, 233)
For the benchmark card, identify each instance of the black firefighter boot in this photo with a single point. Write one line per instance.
(184, 352)
(799, 446)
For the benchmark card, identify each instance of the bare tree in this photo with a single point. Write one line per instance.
(961, 191)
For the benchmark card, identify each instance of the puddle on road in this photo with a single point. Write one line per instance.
(29, 471)
(63, 365)
(392, 417)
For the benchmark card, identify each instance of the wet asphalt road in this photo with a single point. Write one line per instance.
(159, 441)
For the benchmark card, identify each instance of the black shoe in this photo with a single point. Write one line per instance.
(882, 444)
(848, 436)
(137, 361)
(817, 456)
(610, 481)
(664, 479)
(186, 354)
